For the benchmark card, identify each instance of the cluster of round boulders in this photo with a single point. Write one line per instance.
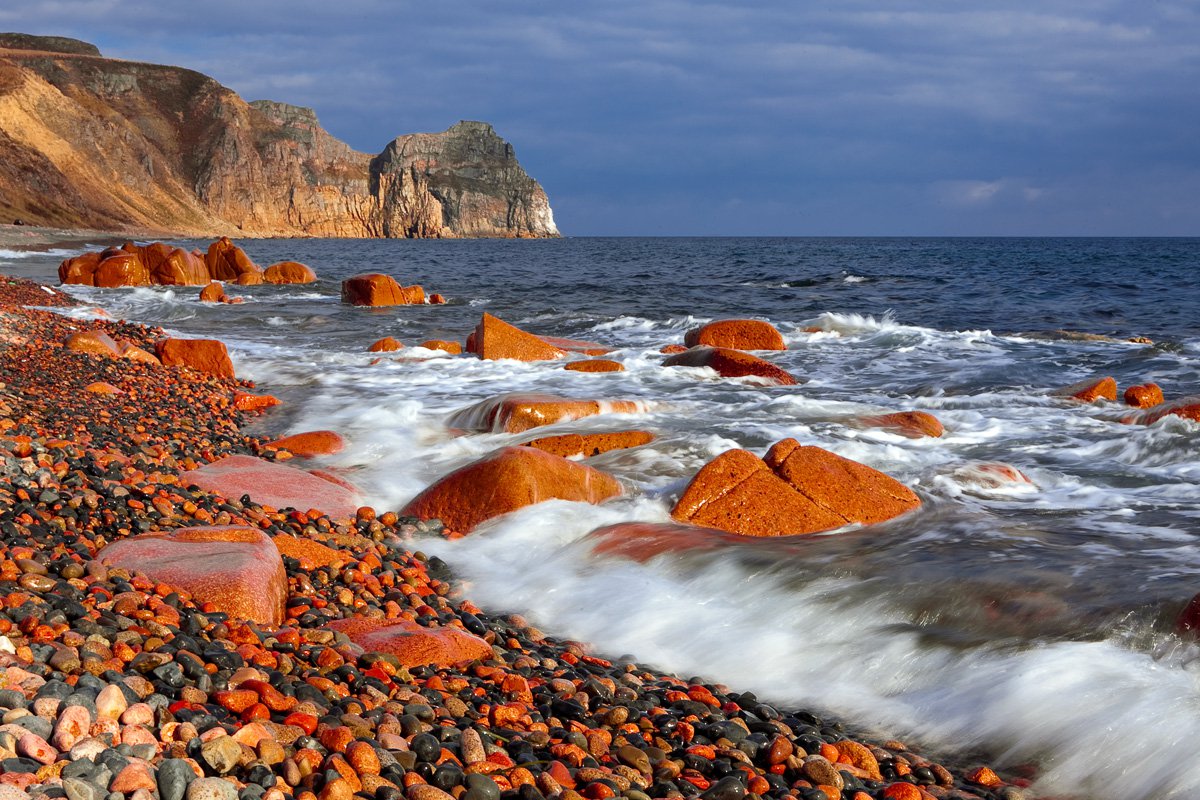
(159, 264)
(130, 673)
(1147, 398)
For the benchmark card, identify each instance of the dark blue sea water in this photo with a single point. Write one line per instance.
(1031, 621)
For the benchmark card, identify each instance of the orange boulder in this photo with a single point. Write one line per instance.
(736, 334)
(95, 342)
(913, 424)
(414, 295)
(385, 345)
(436, 299)
(576, 345)
(642, 541)
(595, 365)
(793, 490)
(517, 412)
(311, 443)
(134, 353)
(494, 338)
(79, 270)
(445, 345)
(228, 262)
(575, 445)
(213, 293)
(272, 484)
(1186, 407)
(504, 481)
(237, 569)
(1089, 391)
(991, 475)
(412, 644)
(373, 289)
(125, 269)
(289, 272)
(731, 364)
(672, 349)
(1146, 395)
(244, 401)
(202, 355)
(174, 266)
(310, 554)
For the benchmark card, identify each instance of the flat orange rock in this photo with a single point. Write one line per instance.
(793, 490)
(137, 354)
(445, 345)
(1186, 407)
(672, 349)
(517, 411)
(913, 424)
(730, 363)
(237, 569)
(577, 345)
(413, 644)
(272, 484)
(385, 345)
(642, 541)
(174, 266)
(95, 342)
(493, 338)
(289, 272)
(595, 365)
(736, 334)
(1146, 395)
(212, 293)
(202, 355)
(1089, 391)
(504, 481)
(575, 445)
(991, 475)
(244, 401)
(311, 443)
(373, 289)
(307, 552)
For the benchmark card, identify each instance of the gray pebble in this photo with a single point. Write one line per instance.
(78, 789)
(174, 775)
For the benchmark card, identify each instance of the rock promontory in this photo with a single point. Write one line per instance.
(94, 142)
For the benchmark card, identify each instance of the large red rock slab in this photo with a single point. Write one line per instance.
(228, 262)
(991, 475)
(730, 363)
(913, 424)
(445, 345)
(79, 270)
(272, 484)
(236, 569)
(385, 345)
(94, 342)
(793, 490)
(1146, 395)
(736, 334)
(642, 541)
(202, 355)
(373, 289)
(1186, 407)
(586, 445)
(1090, 390)
(504, 481)
(412, 644)
(311, 443)
(519, 411)
(287, 272)
(494, 338)
(135, 353)
(595, 365)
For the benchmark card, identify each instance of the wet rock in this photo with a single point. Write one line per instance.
(503, 481)
(311, 443)
(595, 365)
(1146, 395)
(385, 345)
(286, 272)
(1090, 390)
(519, 411)
(373, 289)
(730, 363)
(494, 338)
(990, 475)
(124, 269)
(913, 424)
(236, 569)
(203, 355)
(212, 293)
(228, 262)
(736, 334)
(412, 644)
(93, 342)
(575, 445)
(273, 484)
(1185, 407)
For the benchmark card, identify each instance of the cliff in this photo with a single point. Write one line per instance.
(87, 141)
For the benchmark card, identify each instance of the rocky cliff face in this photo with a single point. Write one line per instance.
(87, 141)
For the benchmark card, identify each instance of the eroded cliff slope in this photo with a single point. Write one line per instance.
(87, 141)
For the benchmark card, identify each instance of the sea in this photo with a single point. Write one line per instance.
(1031, 625)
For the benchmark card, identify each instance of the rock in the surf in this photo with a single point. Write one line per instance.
(1185, 407)
(794, 489)
(311, 443)
(520, 411)
(641, 541)
(913, 424)
(736, 334)
(585, 445)
(1146, 395)
(288, 272)
(228, 262)
(202, 355)
(504, 481)
(595, 365)
(730, 363)
(385, 345)
(373, 289)
(493, 338)
(1090, 390)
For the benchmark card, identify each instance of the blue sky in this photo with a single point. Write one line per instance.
(761, 117)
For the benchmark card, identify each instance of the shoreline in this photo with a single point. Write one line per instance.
(298, 710)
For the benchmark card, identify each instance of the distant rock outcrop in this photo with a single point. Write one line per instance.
(87, 141)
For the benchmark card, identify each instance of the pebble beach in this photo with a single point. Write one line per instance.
(117, 685)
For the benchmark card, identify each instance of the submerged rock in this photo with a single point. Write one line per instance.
(736, 334)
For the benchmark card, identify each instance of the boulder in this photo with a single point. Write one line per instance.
(913, 424)
(228, 262)
(244, 401)
(991, 475)
(124, 269)
(504, 481)
(373, 289)
(642, 541)
(236, 569)
(494, 338)
(273, 484)
(792, 490)
(213, 293)
(576, 445)
(595, 365)
(174, 266)
(413, 295)
(736, 334)
(249, 279)
(412, 644)
(135, 353)
(289, 272)
(731, 364)
(445, 345)
(311, 443)
(1186, 407)
(202, 355)
(385, 345)
(94, 342)
(1089, 391)
(436, 299)
(576, 345)
(79, 270)
(672, 349)
(1146, 395)
(519, 411)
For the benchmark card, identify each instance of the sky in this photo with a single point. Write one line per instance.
(758, 117)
